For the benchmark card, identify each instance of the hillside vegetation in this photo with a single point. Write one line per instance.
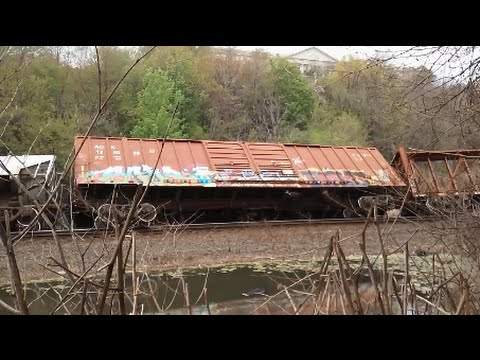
(49, 94)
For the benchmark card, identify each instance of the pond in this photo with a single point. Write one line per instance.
(237, 289)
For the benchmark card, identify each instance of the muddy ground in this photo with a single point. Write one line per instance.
(215, 247)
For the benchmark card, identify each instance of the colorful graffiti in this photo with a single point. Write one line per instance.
(141, 174)
(329, 177)
(236, 175)
(249, 175)
(203, 176)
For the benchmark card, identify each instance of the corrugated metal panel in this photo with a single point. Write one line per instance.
(227, 163)
(273, 162)
(231, 163)
(132, 161)
(259, 164)
(227, 155)
(342, 166)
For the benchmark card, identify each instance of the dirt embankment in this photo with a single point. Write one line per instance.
(214, 247)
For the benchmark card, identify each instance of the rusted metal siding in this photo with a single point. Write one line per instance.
(341, 166)
(450, 172)
(273, 162)
(250, 164)
(227, 163)
(131, 161)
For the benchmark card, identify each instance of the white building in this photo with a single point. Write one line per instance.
(308, 59)
(313, 57)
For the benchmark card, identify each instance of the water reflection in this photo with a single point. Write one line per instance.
(232, 291)
(169, 295)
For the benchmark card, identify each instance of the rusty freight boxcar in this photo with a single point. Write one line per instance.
(225, 180)
(440, 179)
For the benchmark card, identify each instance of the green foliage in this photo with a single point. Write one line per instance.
(181, 69)
(370, 92)
(156, 105)
(277, 100)
(47, 100)
(36, 99)
(293, 90)
(333, 127)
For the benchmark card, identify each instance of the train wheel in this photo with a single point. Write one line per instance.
(105, 212)
(146, 213)
(105, 218)
(26, 217)
(101, 224)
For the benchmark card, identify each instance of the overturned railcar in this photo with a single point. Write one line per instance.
(23, 180)
(440, 180)
(226, 180)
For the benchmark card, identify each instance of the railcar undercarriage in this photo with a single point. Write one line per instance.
(100, 205)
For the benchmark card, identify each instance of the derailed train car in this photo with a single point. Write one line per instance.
(225, 180)
(440, 180)
(24, 180)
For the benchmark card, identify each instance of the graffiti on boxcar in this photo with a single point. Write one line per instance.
(278, 175)
(236, 175)
(297, 160)
(327, 176)
(142, 173)
(203, 176)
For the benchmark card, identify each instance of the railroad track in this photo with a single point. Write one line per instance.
(226, 225)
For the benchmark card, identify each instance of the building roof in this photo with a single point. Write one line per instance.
(312, 53)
